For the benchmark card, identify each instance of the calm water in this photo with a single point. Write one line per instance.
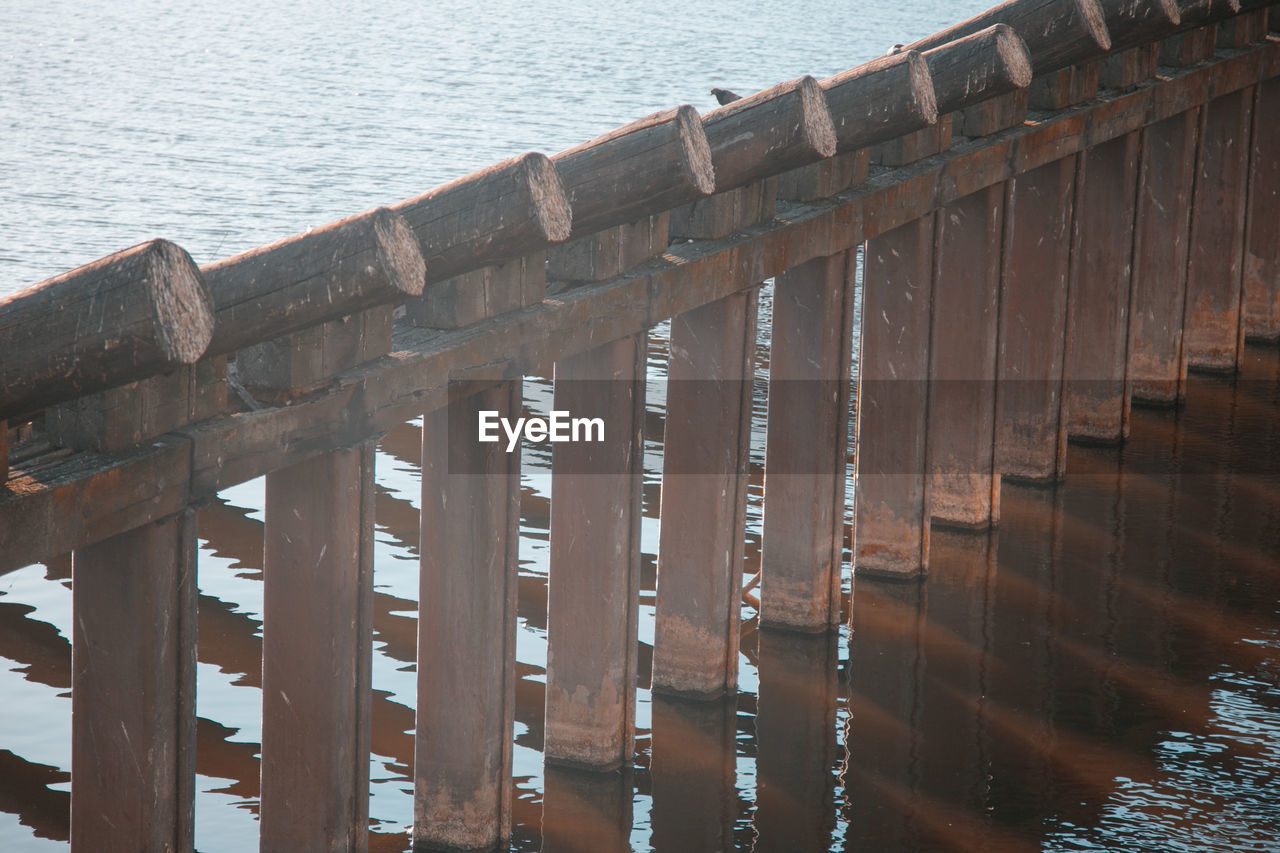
(1100, 675)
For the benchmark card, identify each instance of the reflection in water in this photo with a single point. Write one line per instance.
(1101, 673)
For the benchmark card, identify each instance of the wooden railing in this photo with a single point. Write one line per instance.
(1064, 205)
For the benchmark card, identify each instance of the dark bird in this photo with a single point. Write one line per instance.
(724, 96)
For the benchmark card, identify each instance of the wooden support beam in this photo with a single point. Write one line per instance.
(592, 595)
(341, 269)
(891, 535)
(707, 450)
(880, 100)
(480, 294)
(1212, 336)
(1138, 22)
(1243, 30)
(726, 213)
(965, 488)
(467, 624)
(824, 178)
(512, 209)
(133, 693)
(1096, 392)
(296, 364)
(807, 444)
(141, 311)
(317, 643)
(609, 253)
(640, 169)
(1058, 33)
(783, 127)
(1031, 437)
(1065, 87)
(1262, 241)
(1157, 370)
(4, 454)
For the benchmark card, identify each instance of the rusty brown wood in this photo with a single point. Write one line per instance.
(1244, 29)
(586, 811)
(916, 145)
(1058, 33)
(1262, 244)
(880, 100)
(133, 699)
(965, 488)
(993, 115)
(371, 398)
(1157, 371)
(509, 210)
(1095, 397)
(891, 534)
(693, 773)
(807, 444)
(1211, 336)
(723, 213)
(991, 62)
(611, 252)
(594, 583)
(317, 644)
(1139, 22)
(1065, 87)
(4, 454)
(1031, 438)
(469, 537)
(824, 178)
(1129, 68)
(482, 293)
(130, 315)
(706, 451)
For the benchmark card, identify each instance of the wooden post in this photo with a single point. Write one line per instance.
(594, 582)
(892, 525)
(4, 453)
(1095, 396)
(317, 641)
(693, 773)
(965, 488)
(707, 450)
(1031, 437)
(1157, 369)
(1262, 243)
(1212, 335)
(466, 624)
(807, 444)
(133, 690)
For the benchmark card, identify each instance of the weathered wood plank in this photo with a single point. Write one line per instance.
(132, 314)
(1057, 33)
(466, 625)
(642, 168)
(1138, 22)
(316, 649)
(991, 62)
(592, 594)
(133, 689)
(706, 452)
(479, 294)
(513, 208)
(880, 100)
(1262, 245)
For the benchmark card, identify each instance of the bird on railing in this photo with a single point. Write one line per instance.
(724, 96)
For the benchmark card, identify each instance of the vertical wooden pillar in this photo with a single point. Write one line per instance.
(133, 704)
(795, 740)
(466, 624)
(594, 582)
(1031, 436)
(1262, 244)
(807, 444)
(1097, 405)
(4, 453)
(892, 524)
(1157, 369)
(1212, 336)
(706, 452)
(693, 774)
(965, 489)
(317, 653)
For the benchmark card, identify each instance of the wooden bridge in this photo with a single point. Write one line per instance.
(1061, 206)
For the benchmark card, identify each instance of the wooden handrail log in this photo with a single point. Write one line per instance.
(1137, 22)
(347, 266)
(130, 315)
(510, 209)
(988, 63)
(880, 100)
(645, 167)
(780, 128)
(1058, 33)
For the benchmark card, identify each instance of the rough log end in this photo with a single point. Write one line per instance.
(547, 195)
(922, 91)
(697, 151)
(818, 127)
(1095, 20)
(1013, 53)
(398, 252)
(181, 302)
(1170, 12)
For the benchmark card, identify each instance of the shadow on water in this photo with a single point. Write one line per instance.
(1101, 673)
